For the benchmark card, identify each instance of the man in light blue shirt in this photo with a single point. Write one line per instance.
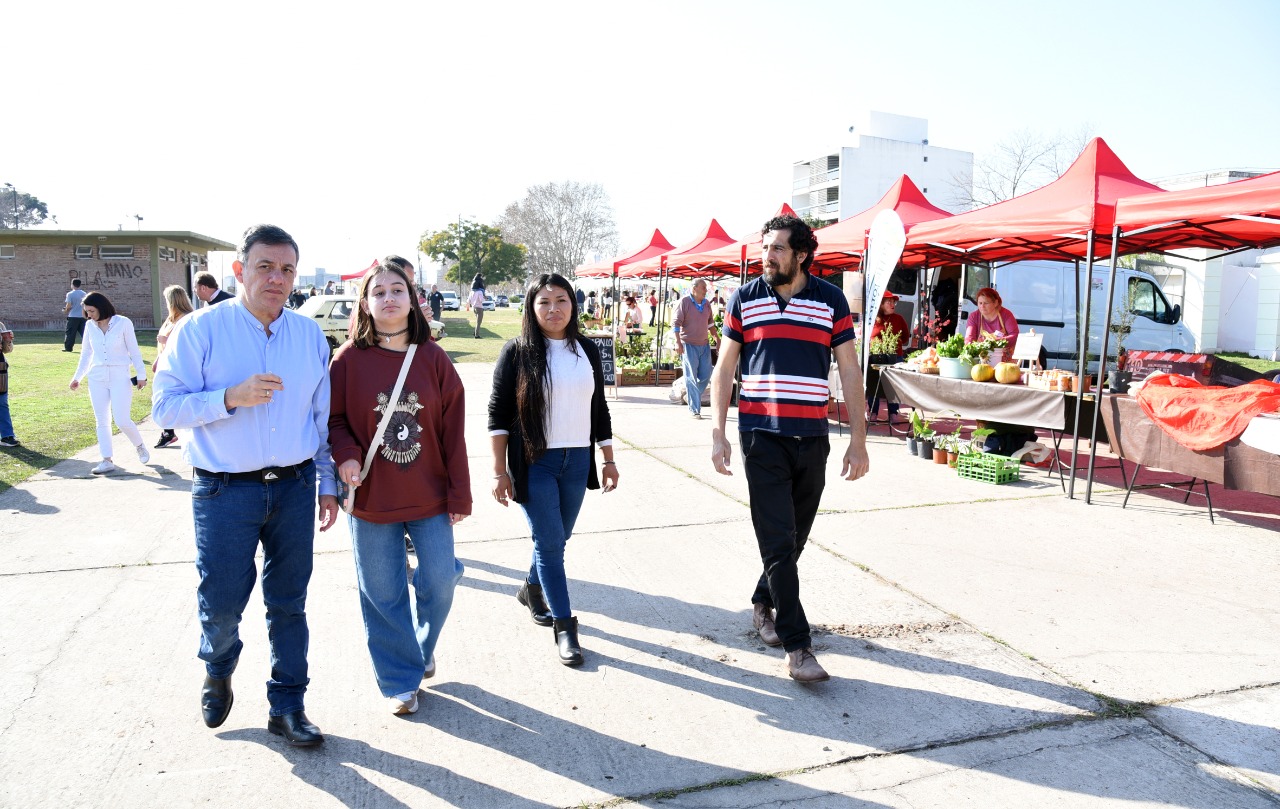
(250, 380)
(74, 310)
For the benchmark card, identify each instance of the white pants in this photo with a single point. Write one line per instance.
(111, 394)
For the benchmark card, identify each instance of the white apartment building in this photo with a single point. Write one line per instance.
(853, 178)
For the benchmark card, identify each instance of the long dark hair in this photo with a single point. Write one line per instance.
(532, 380)
(362, 334)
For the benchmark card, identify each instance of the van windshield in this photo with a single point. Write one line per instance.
(1146, 300)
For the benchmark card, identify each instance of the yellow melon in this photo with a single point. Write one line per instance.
(982, 372)
(1008, 372)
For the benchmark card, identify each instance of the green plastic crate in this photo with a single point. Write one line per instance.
(988, 468)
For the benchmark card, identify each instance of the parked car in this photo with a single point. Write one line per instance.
(503, 301)
(333, 313)
(452, 303)
(489, 303)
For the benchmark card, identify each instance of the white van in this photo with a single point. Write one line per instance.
(1042, 296)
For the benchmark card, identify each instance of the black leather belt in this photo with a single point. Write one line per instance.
(268, 475)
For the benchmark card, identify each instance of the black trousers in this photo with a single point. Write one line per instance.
(75, 328)
(785, 479)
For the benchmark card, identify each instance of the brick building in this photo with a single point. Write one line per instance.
(132, 268)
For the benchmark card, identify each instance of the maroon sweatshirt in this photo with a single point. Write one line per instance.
(421, 468)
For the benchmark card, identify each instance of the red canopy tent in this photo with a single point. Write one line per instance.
(1243, 215)
(360, 274)
(842, 244)
(1060, 221)
(657, 245)
(711, 238)
(728, 260)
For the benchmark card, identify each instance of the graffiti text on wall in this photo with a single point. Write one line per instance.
(109, 277)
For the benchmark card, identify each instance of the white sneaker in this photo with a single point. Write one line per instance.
(106, 467)
(144, 454)
(406, 703)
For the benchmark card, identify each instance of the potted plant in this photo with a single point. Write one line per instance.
(921, 429)
(884, 348)
(1121, 326)
(949, 362)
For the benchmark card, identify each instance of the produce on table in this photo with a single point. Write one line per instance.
(983, 372)
(1007, 373)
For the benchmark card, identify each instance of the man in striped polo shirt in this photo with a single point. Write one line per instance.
(783, 328)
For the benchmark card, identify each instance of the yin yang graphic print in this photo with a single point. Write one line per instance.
(401, 443)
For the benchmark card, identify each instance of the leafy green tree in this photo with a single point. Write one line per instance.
(18, 209)
(473, 247)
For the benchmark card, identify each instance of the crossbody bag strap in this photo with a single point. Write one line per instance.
(386, 414)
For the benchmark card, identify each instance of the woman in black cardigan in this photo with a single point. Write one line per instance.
(546, 414)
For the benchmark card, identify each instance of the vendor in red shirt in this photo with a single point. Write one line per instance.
(418, 482)
(889, 320)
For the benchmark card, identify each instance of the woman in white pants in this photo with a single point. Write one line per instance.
(110, 347)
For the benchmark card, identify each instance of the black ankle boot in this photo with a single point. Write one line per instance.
(567, 641)
(530, 595)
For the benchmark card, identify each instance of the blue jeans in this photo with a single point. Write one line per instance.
(697, 373)
(231, 518)
(6, 421)
(557, 485)
(402, 634)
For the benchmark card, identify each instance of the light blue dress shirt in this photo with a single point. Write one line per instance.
(219, 347)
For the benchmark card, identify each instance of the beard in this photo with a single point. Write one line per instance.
(779, 275)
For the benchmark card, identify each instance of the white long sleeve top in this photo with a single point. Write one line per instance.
(117, 346)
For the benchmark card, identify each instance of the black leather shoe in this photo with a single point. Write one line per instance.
(530, 595)
(567, 641)
(215, 700)
(296, 729)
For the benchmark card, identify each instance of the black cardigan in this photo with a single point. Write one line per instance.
(502, 415)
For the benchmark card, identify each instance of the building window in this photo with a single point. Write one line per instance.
(924, 190)
(926, 158)
(168, 253)
(84, 251)
(115, 251)
(7, 251)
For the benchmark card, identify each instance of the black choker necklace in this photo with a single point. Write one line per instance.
(386, 336)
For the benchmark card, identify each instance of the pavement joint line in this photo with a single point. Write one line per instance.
(1244, 778)
(871, 756)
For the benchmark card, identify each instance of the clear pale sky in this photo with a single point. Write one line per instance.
(359, 126)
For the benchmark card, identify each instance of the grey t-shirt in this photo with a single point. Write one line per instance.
(76, 298)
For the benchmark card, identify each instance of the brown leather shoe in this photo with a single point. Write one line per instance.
(762, 619)
(804, 667)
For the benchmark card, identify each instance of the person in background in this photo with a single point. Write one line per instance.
(75, 315)
(634, 318)
(783, 328)
(418, 483)
(477, 300)
(436, 299)
(207, 289)
(887, 320)
(329, 288)
(110, 347)
(945, 299)
(234, 374)
(991, 321)
(691, 328)
(7, 436)
(179, 305)
(653, 308)
(546, 413)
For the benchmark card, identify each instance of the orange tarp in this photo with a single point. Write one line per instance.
(1203, 417)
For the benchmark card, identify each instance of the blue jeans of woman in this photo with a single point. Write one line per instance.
(231, 518)
(401, 633)
(557, 486)
(6, 422)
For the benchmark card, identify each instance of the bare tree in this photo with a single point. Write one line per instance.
(1021, 162)
(560, 224)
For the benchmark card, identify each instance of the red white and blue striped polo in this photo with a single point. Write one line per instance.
(786, 354)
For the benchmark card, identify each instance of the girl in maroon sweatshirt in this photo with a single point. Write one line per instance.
(418, 483)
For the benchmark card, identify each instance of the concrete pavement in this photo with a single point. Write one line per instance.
(994, 646)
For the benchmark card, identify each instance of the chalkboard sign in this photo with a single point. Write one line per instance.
(605, 344)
